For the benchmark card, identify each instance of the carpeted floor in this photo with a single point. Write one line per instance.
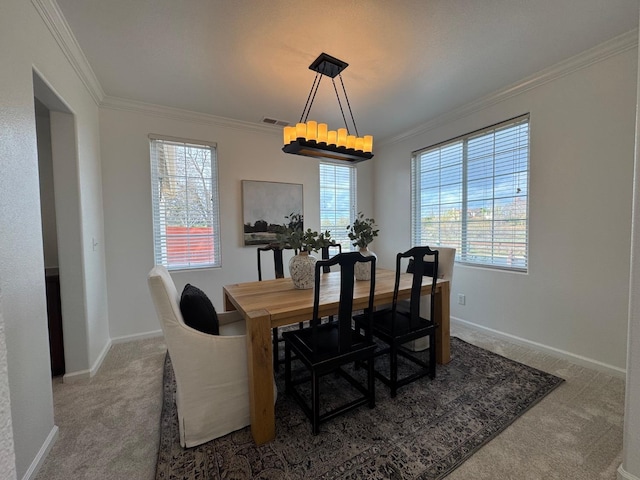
(109, 425)
(428, 430)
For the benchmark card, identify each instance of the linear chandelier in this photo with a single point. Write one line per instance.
(313, 139)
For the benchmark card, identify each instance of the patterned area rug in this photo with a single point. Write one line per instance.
(429, 429)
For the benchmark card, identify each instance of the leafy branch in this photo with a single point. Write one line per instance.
(361, 232)
(296, 237)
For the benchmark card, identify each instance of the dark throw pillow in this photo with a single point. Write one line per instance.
(428, 268)
(198, 311)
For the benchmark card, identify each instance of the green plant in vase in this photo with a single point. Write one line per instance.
(294, 236)
(361, 233)
(302, 266)
(324, 240)
(303, 241)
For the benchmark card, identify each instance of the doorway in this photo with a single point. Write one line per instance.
(61, 229)
(49, 238)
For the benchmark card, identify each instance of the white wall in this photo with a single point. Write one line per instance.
(25, 44)
(244, 153)
(630, 468)
(7, 456)
(575, 295)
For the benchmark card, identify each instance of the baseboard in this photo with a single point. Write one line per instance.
(103, 354)
(578, 359)
(32, 471)
(137, 336)
(624, 475)
(78, 376)
(82, 375)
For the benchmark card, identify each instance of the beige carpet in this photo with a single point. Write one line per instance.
(109, 426)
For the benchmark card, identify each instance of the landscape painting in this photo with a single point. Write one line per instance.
(265, 206)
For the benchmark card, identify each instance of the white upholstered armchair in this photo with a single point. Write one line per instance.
(211, 370)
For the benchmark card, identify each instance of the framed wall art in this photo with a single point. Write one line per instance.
(264, 208)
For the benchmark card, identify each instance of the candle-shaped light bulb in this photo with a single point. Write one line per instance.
(322, 132)
(342, 137)
(312, 130)
(359, 143)
(351, 141)
(289, 134)
(301, 130)
(368, 143)
(332, 137)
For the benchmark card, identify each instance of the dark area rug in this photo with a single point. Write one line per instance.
(429, 429)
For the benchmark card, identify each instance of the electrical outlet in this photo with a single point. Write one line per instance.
(461, 299)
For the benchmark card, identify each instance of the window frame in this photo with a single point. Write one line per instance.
(161, 255)
(345, 242)
(462, 247)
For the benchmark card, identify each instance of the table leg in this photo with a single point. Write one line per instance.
(442, 314)
(228, 305)
(260, 366)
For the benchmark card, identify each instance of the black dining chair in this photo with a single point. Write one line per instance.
(278, 267)
(325, 253)
(278, 263)
(395, 326)
(325, 348)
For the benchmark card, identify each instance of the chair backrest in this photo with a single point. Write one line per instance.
(446, 260)
(419, 265)
(278, 263)
(325, 254)
(347, 263)
(166, 301)
(164, 295)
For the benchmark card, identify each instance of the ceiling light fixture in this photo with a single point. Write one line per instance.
(313, 139)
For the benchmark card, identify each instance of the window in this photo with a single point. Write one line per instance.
(472, 193)
(184, 185)
(337, 201)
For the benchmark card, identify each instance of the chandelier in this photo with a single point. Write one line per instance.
(313, 139)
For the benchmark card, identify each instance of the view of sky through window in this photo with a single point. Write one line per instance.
(473, 195)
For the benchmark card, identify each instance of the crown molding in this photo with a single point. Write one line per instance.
(117, 103)
(59, 28)
(615, 46)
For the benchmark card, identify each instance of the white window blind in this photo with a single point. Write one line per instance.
(472, 193)
(184, 183)
(337, 201)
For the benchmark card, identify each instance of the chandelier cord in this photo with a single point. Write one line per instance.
(348, 105)
(312, 97)
(340, 104)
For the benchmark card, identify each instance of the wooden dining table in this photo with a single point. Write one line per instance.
(275, 303)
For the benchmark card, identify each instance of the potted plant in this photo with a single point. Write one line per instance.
(361, 233)
(324, 240)
(302, 265)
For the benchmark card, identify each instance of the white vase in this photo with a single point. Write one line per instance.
(362, 271)
(302, 270)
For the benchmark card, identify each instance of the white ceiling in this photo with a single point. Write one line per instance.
(409, 60)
